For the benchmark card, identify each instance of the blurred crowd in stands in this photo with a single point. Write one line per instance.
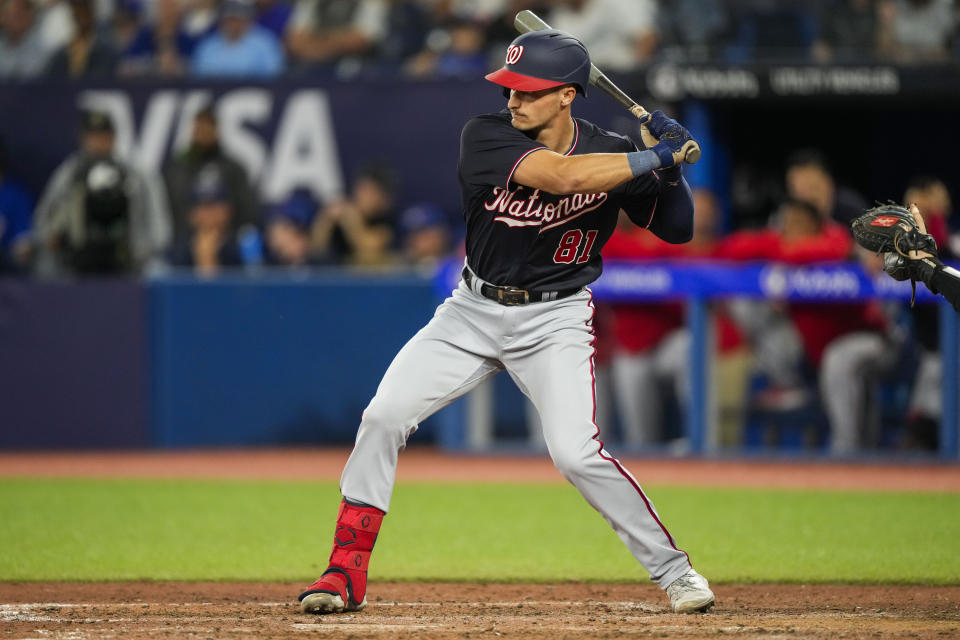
(100, 214)
(450, 38)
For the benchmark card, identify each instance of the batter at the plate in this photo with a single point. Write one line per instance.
(541, 194)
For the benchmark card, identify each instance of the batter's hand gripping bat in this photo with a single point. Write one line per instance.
(527, 21)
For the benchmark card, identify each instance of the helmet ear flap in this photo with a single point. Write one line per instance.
(506, 93)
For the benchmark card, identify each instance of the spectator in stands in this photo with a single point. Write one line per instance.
(16, 213)
(123, 26)
(88, 53)
(853, 362)
(23, 53)
(323, 33)
(840, 340)
(916, 30)
(359, 229)
(160, 47)
(407, 25)
(240, 47)
(288, 231)
(455, 51)
(848, 32)
(775, 343)
(809, 179)
(425, 234)
(205, 154)
(209, 246)
(200, 19)
(693, 30)
(54, 20)
(651, 343)
(122, 196)
(620, 34)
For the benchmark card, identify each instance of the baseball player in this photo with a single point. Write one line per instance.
(541, 194)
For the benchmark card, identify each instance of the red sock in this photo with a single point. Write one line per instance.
(356, 533)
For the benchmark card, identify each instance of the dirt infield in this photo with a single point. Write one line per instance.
(439, 611)
(429, 465)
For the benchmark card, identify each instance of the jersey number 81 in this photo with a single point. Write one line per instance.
(569, 247)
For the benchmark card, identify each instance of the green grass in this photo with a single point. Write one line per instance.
(221, 530)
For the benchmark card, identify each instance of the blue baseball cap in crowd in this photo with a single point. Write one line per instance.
(299, 208)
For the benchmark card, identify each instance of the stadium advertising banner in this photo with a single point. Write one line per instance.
(669, 82)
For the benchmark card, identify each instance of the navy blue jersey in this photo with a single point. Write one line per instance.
(528, 238)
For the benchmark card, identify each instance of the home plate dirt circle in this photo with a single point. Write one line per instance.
(432, 611)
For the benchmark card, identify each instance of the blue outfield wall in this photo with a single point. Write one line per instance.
(74, 369)
(275, 360)
(182, 362)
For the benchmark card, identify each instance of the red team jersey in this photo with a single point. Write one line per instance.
(528, 238)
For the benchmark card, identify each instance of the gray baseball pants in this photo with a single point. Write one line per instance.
(547, 348)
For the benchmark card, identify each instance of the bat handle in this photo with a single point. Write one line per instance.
(693, 153)
(640, 112)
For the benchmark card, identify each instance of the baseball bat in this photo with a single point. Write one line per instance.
(527, 21)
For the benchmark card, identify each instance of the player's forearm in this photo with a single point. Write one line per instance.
(591, 173)
(940, 278)
(587, 173)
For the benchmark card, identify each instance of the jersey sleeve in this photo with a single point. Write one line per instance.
(491, 150)
(640, 199)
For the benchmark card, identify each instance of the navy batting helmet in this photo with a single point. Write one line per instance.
(544, 59)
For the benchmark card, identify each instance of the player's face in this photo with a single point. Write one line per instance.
(535, 109)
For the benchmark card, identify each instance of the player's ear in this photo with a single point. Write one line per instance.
(567, 94)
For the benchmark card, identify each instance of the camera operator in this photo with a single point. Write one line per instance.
(99, 214)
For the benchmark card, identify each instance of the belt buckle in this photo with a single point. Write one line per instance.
(507, 296)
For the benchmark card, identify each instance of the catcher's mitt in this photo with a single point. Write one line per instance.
(891, 228)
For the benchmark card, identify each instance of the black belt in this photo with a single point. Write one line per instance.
(512, 296)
